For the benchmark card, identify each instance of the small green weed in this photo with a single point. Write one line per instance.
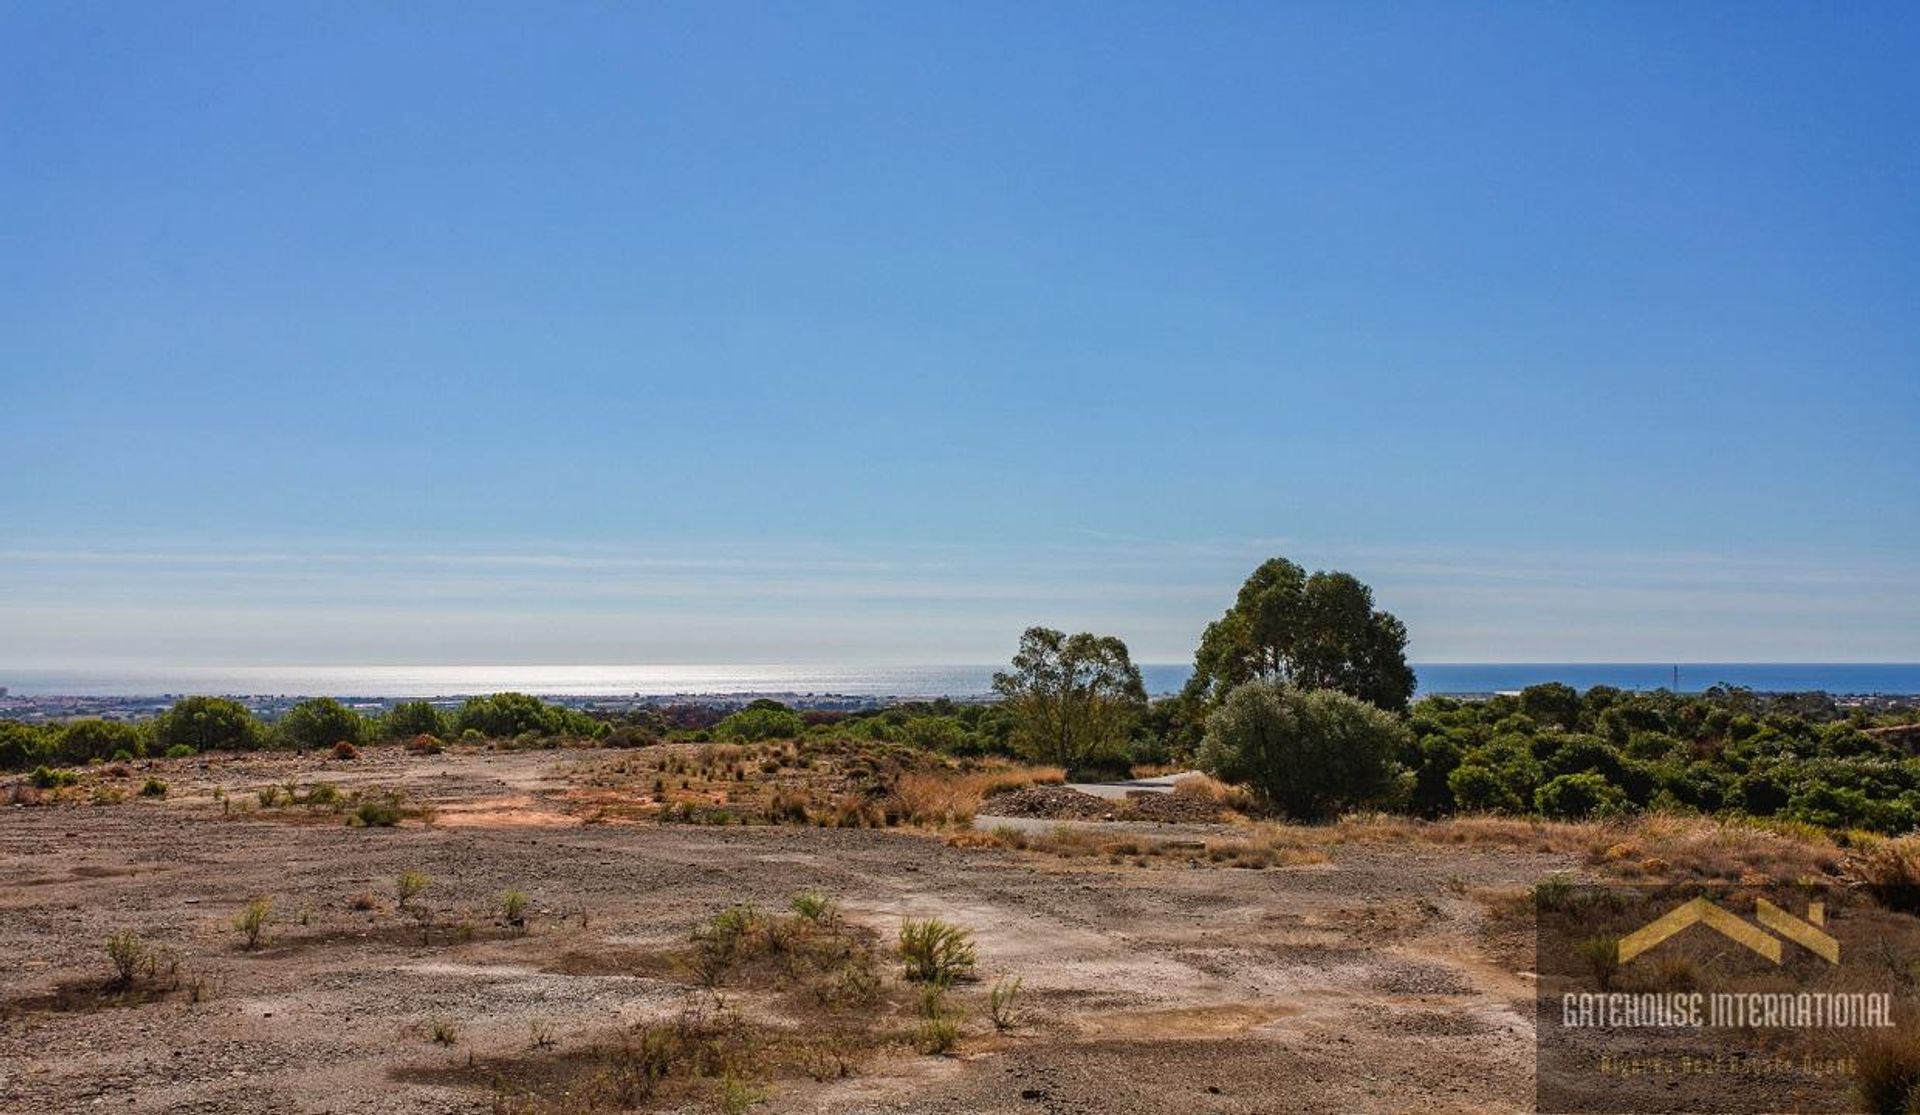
(935, 951)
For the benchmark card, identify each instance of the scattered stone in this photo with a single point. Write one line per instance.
(1051, 802)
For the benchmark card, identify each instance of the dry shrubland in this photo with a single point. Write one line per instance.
(836, 1011)
(825, 783)
(1257, 850)
(953, 798)
(1654, 846)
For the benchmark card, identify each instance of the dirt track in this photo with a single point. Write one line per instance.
(1362, 984)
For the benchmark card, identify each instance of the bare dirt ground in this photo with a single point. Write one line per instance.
(1371, 982)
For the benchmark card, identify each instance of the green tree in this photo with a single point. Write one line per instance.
(938, 733)
(80, 741)
(415, 718)
(760, 720)
(1174, 725)
(1074, 698)
(505, 715)
(1314, 632)
(1309, 752)
(1498, 776)
(1570, 797)
(207, 724)
(1477, 787)
(1552, 703)
(1438, 757)
(321, 722)
(21, 745)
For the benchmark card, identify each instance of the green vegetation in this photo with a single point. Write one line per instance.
(735, 1094)
(513, 910)
(320, 723)
(1000, 1002)
(1309, 753)
(73, 743)
(252, 921)
(1299, 692)
(512, 715)
(208, 724)
(201, 724)
(1075, 699)
(126, 952)
(939, 1028)
(375, 813)
(760, 720)
(1314, 632)
(20, 745)
(414, 718)
(815, 906)
(1553, 892)
(409, 885)
(1602, 957)
(1572, 797)
(81, 741)
(935, 951)
(46, 778)
(1606, 752)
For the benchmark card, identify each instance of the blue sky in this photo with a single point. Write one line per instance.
(654, 333)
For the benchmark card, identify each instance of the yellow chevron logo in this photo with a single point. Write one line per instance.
(1805, 933)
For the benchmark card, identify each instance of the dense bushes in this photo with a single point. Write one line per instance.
(81, 741)
(208, 724)
(197, 724)
(323, 722)
(77, 741)
(1569, 797)
(1560, 753)
(20, 745)
(1546, 751)
(415, 718)
(508, 715)
(760, 720)
(942, 725)
(1308, 752)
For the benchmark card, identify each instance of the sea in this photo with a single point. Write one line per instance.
(1856, 678)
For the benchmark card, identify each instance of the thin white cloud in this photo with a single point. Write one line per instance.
(924, 603)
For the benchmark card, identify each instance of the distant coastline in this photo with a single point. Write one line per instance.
(888, 683)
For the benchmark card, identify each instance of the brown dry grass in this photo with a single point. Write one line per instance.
(1153, 770)
(952, 798)
(1208, 788)
(1077, 842)
(835, 1008)
(1656, 846)
(1889, 870)
(828, 783)
(1886, 1072)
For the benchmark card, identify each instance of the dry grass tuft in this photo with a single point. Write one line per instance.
(1886, 1072)
(1208, 788)
(1669, 847)
(1267, 846)
(935, 951)
(1889, 871)
(835, 1012)
(953, 798)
